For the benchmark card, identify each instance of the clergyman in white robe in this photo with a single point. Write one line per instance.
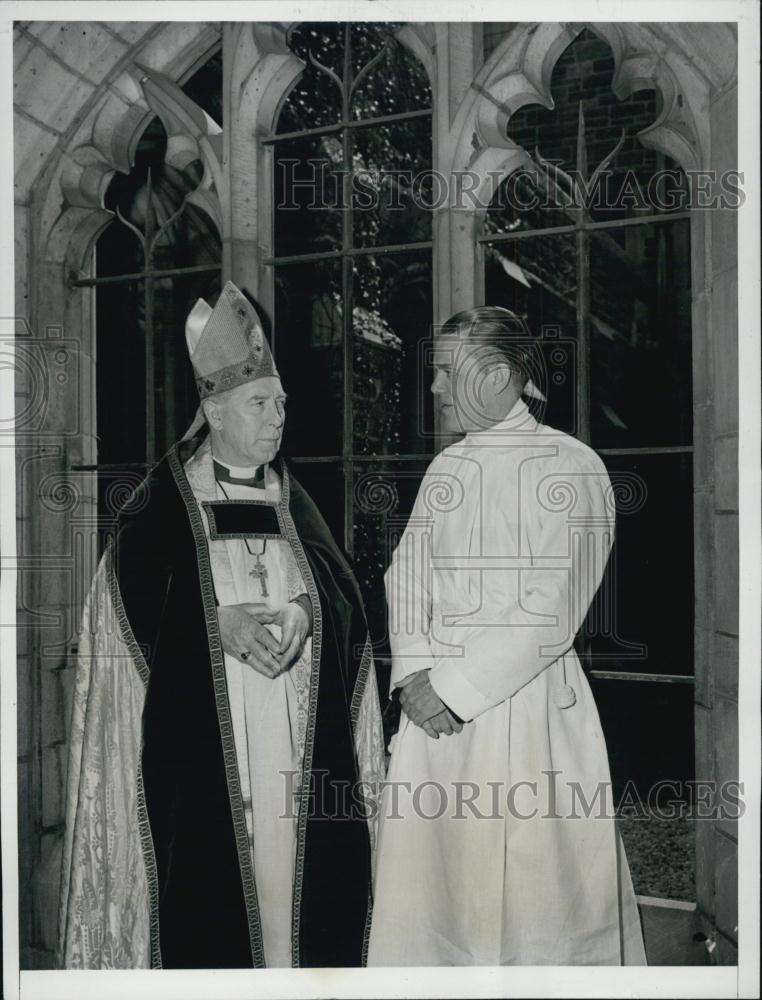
(498, 844)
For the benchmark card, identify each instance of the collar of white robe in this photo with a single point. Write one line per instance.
(518, 418)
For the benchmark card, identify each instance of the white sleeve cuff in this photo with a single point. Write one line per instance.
(416, 656)
(456, 692)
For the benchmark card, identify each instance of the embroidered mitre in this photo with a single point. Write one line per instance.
(227, 344)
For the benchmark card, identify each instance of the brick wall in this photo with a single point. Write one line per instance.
(583, 76)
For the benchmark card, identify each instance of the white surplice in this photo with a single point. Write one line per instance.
(269, 715)
(486, 855)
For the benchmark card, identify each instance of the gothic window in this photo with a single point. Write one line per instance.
(352, 276)
(603, 279)
(150, 265)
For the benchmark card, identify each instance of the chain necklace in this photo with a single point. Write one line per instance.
(260, 570)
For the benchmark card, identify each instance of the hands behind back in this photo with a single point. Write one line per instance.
(425, 708)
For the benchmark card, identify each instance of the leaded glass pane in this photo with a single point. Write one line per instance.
(175, 393)
(324, 482)
(308, 345)
(392, 189)
(121, 382)
(205, 87)
(392, 407)
(385, 79)
(315, 99)
(384, 494)
(640, 318)
(396, 83)
(309, 195)
(642, 617)
(537, 279)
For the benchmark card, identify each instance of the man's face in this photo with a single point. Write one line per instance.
(463, 386)
(248, 422)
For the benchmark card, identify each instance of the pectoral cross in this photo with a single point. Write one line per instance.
(260, 571)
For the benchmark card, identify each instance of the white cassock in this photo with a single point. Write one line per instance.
(504, 551)
(269, 715)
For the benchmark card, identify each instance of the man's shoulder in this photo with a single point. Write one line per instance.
(565, 450)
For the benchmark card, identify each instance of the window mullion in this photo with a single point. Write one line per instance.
(347, 292)
(583, 369)
(583, 335)
(148, 301)
(125, 279)
(347, 122)
(150, 375)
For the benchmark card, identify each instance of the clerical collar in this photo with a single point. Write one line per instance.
(253, 475)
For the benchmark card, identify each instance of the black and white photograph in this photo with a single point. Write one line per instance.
(380, 500)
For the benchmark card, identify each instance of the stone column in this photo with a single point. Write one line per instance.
(258, 69)
(458, 274)
(717, 581)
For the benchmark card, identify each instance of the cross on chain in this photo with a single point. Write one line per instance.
(260, 571)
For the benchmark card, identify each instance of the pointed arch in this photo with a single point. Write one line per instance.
(72, 185)
(519, 72)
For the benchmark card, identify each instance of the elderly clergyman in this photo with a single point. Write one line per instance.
(497, 843)
(224, 689)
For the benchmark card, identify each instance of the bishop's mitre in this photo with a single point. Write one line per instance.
(227, 344)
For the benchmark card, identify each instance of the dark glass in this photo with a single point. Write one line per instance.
(324, 482)
(176, 395)
(641, 382)
(309, 351)
(187, 240)
(392, 184)
(118, 251)
(121, 389)
(205, 87)
(315, 98)
(368, 41)
(120, 381)
(537, 279)
(384, 494)
(191, 240)
(660, 848)
(583, 128)
(393, 84)
(396, 83)
(392, 404)
(383, 499)
(309, 195)
(642, 616)
(520, 204)
(631, 711)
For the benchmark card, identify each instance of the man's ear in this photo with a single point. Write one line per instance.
(501, 376)
(212, 413)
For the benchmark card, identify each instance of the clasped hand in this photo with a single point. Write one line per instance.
(423, 706)
(245, 636)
